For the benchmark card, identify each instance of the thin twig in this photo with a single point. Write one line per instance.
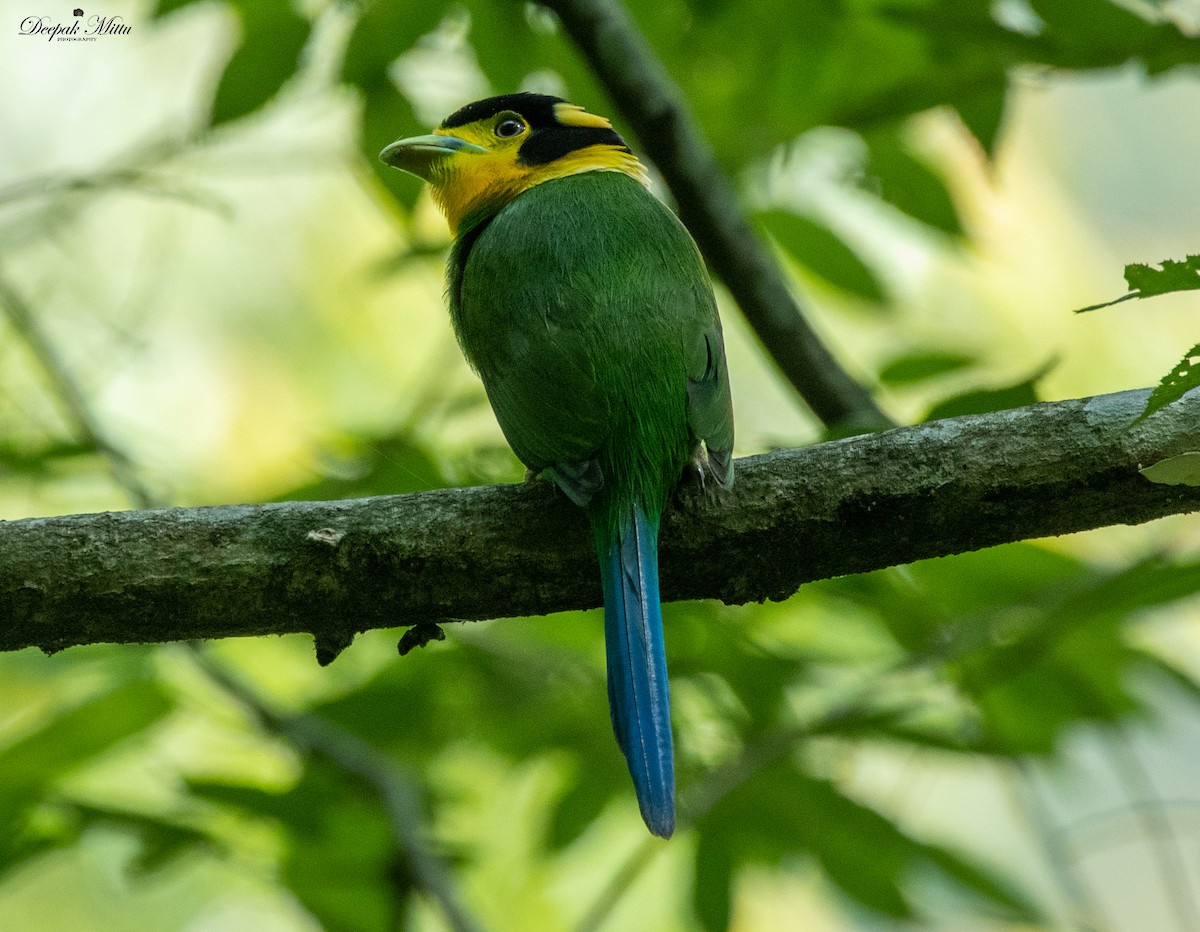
(121, 169)
(1161, 839)
(398, 793)
(631, 868)
(654, 106)
(70, 396)
(130, 179)
(1088, 915)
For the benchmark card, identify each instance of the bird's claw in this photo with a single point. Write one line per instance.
(692, 485)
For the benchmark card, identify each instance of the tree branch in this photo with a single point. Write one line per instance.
(335, 568)
(652, 103)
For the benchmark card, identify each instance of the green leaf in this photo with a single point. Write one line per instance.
(712, 886)
(1183, 469)
(381, 35)
(345, 874)
(38, 462)
(906, 182)
(780, 812)
(933, 601)
(162, 840)
(1106, 34)
(1090, 28)
(1067, 659)
(989, 887)
(822, 252)
(505, 46)
(259, 801)
(76, 737)
(1147, 282)
(163, 7)
(1036, 641)
(273, 35)
(1118, 595)
(1175, 674)
(1173, 276)
(701, 645)
(388, 465)
(987, 400)
(339, 861)
(581, 804)
(386, 117)
(1183, 378)
(1029, 693)
(31, 767)
(983, 115)
(923, 365)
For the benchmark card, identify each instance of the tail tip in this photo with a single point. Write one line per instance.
(660, 820)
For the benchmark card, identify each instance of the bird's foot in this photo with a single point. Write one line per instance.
(692, 487)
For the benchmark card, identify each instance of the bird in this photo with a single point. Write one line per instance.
(584, 305)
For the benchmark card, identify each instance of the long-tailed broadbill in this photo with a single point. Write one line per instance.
(583, 304)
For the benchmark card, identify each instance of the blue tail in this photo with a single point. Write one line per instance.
(638, 697)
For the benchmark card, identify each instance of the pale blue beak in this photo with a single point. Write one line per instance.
(419, 154)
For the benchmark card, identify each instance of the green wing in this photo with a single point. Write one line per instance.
(710, 407)
(585, 308)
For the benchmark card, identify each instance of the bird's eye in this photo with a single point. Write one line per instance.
(506, 129)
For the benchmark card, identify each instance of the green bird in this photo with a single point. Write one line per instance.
(583, 304)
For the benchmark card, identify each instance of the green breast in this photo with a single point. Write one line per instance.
(579, 303)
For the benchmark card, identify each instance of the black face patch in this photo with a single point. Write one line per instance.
(537, 109)
(548, 139)
(546, 145)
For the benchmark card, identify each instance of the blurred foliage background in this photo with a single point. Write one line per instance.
(212, 292)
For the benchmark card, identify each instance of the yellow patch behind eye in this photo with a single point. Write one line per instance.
(575, 115)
